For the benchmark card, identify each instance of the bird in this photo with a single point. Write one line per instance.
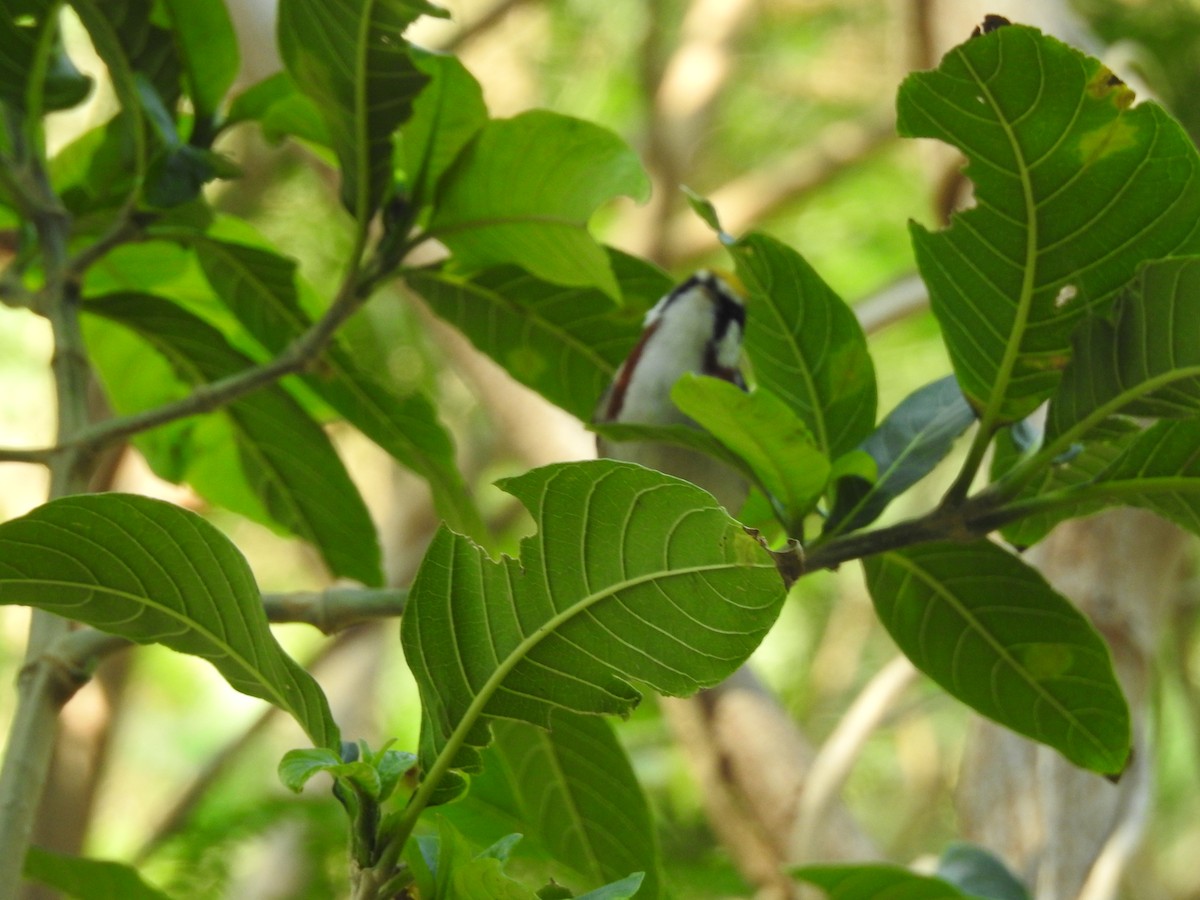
(696, 327)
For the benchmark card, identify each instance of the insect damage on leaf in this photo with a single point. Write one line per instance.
(991, 22)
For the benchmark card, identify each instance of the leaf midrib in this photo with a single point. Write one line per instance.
(977, 627)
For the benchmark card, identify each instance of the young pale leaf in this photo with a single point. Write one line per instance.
(445, 117)
(259, 287)
(806, 344)
(154, 573)
(88, 879)
(772, 440)
(564, 342)
(27, 44)
(287, 457)
(992, 632)
(906, 447)
(872, 881)
(351, 58)
(576, 794)
(522, 192)
(1073, 188)
(207, 45)
(1145, 363)
(972, 868)
(632, 575)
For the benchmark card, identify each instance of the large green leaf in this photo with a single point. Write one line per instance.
(351, 58)
(907, 446)
(993, 633)
(805, 344)
(1146, 362)
(877, 881)
(522, 192)
(631, 575)
(564, 342)
(207, 46)
(288, 460)
(154, 573)
(36, 75)
(775, 444)
(445, 117)
(259, 286)
(88, 879)
(972, 868)
(1073, 188)
(577, 795)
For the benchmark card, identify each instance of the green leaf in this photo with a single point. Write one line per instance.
(566, 343)
(351, 58)
(207, 47)
(446, 115)
(522, 192)
(31, 46)
(805, 344)
(1073, 188)
(974, 869)
(279, 107)
(288, 459)
(110, 49)
(1159, 471)
(298, 766)
(260, 288)
(1076, 468)
(618, 890)
(874, 881)
(1145, 362)
(632, 575)
(154, 573)
(907, 446)
(578, 796)
(88, 879)
(761, 429)
(994, 634)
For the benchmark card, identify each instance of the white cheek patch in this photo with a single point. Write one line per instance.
(729, 347)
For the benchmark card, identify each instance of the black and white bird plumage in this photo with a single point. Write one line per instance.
(697, 327)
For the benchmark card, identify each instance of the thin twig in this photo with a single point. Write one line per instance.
(838, 754)
(299, 355)
(40, 455)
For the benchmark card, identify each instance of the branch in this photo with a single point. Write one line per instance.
(298, 356)
(329, 611)
(21, 455)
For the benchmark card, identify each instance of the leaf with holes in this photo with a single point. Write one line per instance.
(1074, 187)
(154, 573)
(805, 344)
(632, 575)
(351, 58)
(1146, 362)
(992, 632)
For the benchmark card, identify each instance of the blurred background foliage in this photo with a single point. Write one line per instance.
(781, 112)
